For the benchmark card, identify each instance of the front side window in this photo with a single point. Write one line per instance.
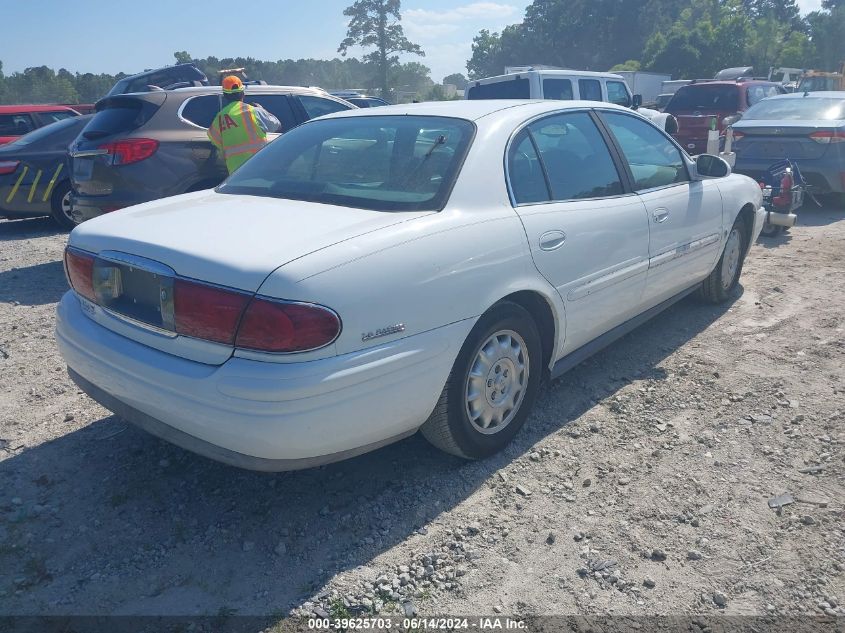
(574, 156)
(590, 89)
(617, 92)
(380, 163)
(654, 160)
(317, 106)
(557, 89)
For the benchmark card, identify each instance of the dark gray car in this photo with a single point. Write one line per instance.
(809, 130)
(144, 146)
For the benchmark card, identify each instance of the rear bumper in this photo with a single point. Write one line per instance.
(260, 415)
(88, 207)
(822, 175)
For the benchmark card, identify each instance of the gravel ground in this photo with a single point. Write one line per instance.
(641, 485)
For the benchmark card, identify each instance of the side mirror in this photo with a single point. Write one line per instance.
(638, 101)
(709, 166)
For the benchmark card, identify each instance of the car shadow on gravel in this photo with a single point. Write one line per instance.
(25, 229)
(107, 519)
(33, 285)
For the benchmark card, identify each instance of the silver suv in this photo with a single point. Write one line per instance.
(148, 145)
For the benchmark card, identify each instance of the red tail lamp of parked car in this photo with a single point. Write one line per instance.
(228, 316)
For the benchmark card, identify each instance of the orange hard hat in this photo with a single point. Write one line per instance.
(232, 84)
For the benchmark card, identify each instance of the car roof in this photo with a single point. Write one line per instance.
(826, 94)
(213, 90)
(20, 109)
(472, 110)
(554, 71)
(731, 82)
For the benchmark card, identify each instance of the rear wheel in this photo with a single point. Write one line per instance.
(492, 386)
(61, 209)
(717, 288)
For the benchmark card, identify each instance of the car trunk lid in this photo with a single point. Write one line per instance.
(233, 241)
(776, 140)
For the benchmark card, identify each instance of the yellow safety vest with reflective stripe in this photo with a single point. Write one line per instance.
(236, 132)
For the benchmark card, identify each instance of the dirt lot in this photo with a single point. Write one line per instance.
(640, 486)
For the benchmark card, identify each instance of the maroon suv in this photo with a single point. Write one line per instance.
(695, 104)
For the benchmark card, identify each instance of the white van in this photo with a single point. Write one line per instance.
(567, 85)
(554, 84)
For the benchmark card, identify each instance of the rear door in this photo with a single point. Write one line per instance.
(685, 217)
(587, 236)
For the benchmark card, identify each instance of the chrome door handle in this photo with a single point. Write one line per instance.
(660, 216)
(552, 240)
(88, 152)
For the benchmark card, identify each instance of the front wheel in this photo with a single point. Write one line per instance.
(492, 386)
(719, 285)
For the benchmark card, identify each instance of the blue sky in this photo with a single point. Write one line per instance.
(118, 35)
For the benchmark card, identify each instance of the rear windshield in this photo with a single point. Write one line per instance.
(118, 116)
(794, 109)
(508, 89)
(703, 97)
(381, 163)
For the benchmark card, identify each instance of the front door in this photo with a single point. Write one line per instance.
(685, 216)
(587, 237)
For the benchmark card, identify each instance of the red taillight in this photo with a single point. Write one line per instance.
(738, 135)
(207, 312)
(130, 150)
(8, 166)
(80, 270)
(280, 326)
(828, 136)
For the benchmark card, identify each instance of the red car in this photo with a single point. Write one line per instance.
(695, 105)
(17, 120)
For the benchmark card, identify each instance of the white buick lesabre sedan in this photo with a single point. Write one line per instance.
(379, 272)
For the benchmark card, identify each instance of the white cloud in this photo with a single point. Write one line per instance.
(474, 11)
(809, 5)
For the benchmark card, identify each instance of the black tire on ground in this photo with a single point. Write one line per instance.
(60, 210)
(720, 284)
(507, 338)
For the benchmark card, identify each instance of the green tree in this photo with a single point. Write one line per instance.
(375, 23)
(183, 57)
(631, 64)
(457, 80)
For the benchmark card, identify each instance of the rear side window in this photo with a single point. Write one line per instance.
(52, 117)
(518, 88)
(15, 124)
(576, 159)
(317, 106)
(557, 89)
(757, 93)
(202, 110)
(590, 89)
(722, 98)
(617, 93)
(118, 116)
(528, 183)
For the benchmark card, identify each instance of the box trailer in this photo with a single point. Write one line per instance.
(647, 84)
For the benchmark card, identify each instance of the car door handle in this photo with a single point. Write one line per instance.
(660, 216)
(552, 240)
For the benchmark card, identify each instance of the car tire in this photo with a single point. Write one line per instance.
(60, 206)
(492, 386)
(720, 284)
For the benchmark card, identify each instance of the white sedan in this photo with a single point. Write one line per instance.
(378, 272)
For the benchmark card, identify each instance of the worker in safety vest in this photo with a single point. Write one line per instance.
(240, 129)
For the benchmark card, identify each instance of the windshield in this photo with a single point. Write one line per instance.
(795, 109)
(43, 132)
(720, 98)
(381, 163)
